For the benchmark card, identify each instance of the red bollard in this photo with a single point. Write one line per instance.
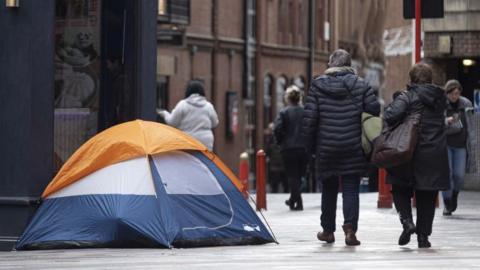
(384, 190)
(261, 192)
(244, 174)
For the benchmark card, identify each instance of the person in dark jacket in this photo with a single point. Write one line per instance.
(460, 139)
(332, 126)
(276, 170)
(287, 134)
(428, 171)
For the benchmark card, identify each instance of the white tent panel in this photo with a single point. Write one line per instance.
(131, 177)
(182, 173)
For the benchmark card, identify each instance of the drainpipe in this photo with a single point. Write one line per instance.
(311, 42)
(215, 49)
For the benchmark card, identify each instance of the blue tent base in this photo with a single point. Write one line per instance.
(208, 242)
(211, 242)
(89, 244)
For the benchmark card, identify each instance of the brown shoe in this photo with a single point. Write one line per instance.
(350, 238)
(326, 237)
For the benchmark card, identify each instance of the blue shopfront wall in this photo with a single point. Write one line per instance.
(27, 74)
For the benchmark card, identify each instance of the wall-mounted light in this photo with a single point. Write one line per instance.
(468, 62)
(12, 3)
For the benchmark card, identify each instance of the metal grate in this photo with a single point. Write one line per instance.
(472, 181)
(71, 129)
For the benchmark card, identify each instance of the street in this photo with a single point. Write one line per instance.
(455, 244)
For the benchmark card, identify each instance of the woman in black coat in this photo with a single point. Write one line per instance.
(287, 133)
(428, 171)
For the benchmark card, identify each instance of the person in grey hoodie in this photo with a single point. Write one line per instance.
(194, 115)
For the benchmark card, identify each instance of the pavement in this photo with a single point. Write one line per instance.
(455, 245)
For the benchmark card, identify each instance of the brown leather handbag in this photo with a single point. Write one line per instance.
(396, 145)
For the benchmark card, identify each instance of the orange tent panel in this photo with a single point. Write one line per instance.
(123, 142)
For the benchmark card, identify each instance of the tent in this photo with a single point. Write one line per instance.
(143, 184)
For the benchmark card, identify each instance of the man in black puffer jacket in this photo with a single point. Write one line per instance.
(332, 126)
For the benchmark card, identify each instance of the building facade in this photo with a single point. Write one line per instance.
(452, 44)
(398, 48)
(248, 52)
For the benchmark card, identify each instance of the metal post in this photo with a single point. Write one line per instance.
(244, 173)
(261, 192)
(384, 195)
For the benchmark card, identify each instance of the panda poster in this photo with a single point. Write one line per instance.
(77, 74)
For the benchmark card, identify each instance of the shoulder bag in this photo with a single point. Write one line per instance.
(371, 126)
(396, 145)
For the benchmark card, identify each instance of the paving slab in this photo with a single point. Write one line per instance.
(455, 240)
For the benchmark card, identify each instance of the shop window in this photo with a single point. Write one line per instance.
(267, 101)
(174, 11)
(94, 69)
(283, 20)
(280, 87)
(77, 75)
(320, 24)
(299, 82)
(251, 20)
(292, 7)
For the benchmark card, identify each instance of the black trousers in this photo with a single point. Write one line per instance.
(425, 200)
(295, 162)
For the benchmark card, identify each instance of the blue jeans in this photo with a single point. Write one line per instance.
(351, 201)
(457, 160)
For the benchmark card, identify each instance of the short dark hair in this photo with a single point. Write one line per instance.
(195, 86)
(421, 73)
(340, 58)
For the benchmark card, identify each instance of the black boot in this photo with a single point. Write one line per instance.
(447, 206)
(290, 203)
(298, 205)
(408, 230)
(423, 241)
(454, 201)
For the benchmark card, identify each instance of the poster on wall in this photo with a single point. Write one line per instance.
(232, 114)
(77, 47)
(77, 74)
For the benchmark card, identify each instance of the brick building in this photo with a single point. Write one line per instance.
(247, 53)
(398, 49)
